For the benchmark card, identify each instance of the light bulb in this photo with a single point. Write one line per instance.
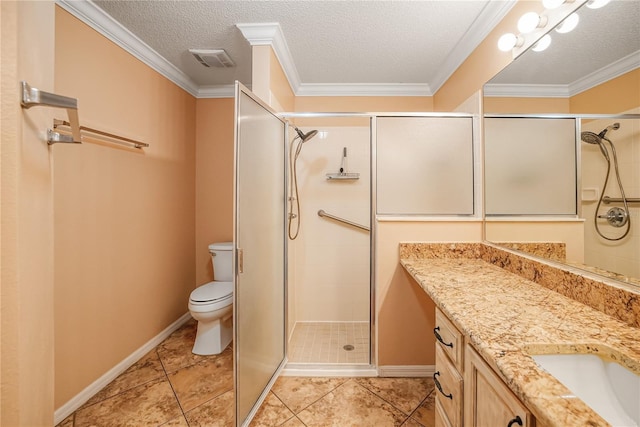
(542, 44)
(530, 21)
(552, 4)
(597, 4)
(508, 41)
(568, 24)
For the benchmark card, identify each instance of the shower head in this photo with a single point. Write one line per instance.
(614, 126)
(592, 138)
(304, 137)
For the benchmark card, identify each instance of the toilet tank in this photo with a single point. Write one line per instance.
(222, 261)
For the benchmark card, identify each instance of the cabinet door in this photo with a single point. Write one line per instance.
(449, 394)
(488, 401)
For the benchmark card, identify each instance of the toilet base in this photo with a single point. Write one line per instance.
(213, 337)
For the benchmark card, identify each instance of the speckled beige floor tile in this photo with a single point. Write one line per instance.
(412, 423)
(351, 405)
(177, 422)
(198, 383)
(218, 412)
(405, 394)
(299, 392)
(150, 404)
(294, 422)
(426, 412)
(146, 369)
(175, 351)
(272, 413)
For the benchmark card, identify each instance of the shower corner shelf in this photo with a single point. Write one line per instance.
(343, 176)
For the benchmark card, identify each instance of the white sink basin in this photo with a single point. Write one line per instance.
(608, 388)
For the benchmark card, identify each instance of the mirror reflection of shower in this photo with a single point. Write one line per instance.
(294, 198)
(617, 217)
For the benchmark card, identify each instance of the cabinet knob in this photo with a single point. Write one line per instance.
(439, 337)
(516, 421)
(449, 396)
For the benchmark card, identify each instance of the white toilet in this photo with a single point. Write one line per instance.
(212, 304)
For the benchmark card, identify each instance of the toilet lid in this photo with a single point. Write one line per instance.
(212, 291)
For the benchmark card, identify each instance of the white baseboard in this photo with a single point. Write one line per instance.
(406, 370)
(78, 400)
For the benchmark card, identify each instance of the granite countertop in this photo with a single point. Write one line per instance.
(507, 318)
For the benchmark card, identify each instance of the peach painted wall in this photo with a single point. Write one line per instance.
(405, 314)
(214, 179)
(268, 80)
(526, 105)
(613, 97)
(27, 284)
(484, 63)
(124, 218)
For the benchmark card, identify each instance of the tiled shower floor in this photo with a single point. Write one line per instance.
(324, 342)
(172, 387)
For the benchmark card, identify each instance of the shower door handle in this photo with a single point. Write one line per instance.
(240, 261)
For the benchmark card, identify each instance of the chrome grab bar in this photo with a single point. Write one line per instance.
(607, 200)
(344, 221)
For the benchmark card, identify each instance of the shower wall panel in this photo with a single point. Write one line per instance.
(331, 260)
(622, 256)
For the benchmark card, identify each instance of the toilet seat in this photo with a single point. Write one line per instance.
(218, 294)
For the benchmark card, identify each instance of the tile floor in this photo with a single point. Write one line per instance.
(170, 386)
(323, 342)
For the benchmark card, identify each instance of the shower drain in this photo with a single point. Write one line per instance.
(348, 347)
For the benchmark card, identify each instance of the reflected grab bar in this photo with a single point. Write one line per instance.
(322, 213)
(606, 200)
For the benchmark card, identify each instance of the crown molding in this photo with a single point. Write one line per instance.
(89, 13)
(611, 71)
(217, 91)
(270, 34)
(526, 91)
(490, 16)
(364, 89)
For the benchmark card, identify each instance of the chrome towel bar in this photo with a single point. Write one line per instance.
(322, 213)
(32, 97)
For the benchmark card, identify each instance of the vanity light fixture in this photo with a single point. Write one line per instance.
(554, 4)
(508, 41)
(568, 24)
(542, 44)
(530, 21)
(597, 4)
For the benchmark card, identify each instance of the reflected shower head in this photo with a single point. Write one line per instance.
(592, 138)
(614, 126)
(304, 137)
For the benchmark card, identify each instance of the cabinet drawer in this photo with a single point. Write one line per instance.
(450, 340)
(449, 394)
(441, 418)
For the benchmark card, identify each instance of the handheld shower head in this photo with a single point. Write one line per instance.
(592, 138)
(304, 137)
(614, 126)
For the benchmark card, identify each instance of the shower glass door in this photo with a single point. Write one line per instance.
(259, 233)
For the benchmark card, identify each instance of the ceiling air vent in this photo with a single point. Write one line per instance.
(212, 57)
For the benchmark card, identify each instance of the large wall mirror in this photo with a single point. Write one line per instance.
(555, 122)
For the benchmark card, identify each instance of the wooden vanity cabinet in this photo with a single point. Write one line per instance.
(488, 401)
(449, 372)
(468, 392)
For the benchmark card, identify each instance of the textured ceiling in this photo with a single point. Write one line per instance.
(378, 42)
(331, 42)
(602, 37)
